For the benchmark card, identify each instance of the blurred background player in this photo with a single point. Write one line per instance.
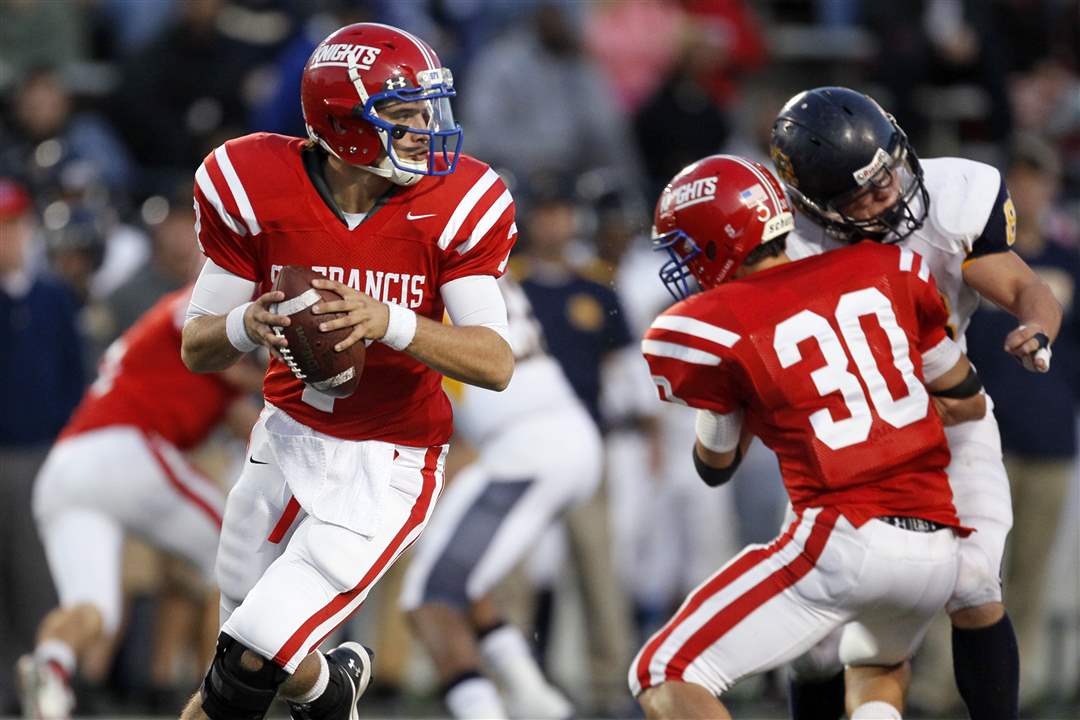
(539, 455)
(850, 169)
(871, 551)
(586, 330)
(381, 200)
(119, 468)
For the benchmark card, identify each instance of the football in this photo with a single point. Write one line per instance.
(310, 354)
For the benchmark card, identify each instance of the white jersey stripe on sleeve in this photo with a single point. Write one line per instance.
(906, 259)
(237, 190)
(697, 328)
(659, 348)
(202, 179)
(465, 207)
(924, 269)
(486, 222)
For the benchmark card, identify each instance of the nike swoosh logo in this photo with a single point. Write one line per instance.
(253, 461)
(410, 216)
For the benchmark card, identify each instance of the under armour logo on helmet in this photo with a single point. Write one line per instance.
(396, 83)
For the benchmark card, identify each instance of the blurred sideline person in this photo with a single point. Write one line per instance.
(42, 363)
(539, 453)
(872, 548)
(380, 199)
(119, 467)
(850, 169)
(1040, 456)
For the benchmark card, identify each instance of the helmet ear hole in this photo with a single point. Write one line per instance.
(710, 251)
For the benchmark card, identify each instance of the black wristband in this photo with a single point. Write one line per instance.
(968, 387)
(715, 477)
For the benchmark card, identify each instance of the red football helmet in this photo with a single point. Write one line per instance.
(711, 215)
(366, 69)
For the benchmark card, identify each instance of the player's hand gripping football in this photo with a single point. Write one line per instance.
(258, 321)
(1030, 345)
(365, 315)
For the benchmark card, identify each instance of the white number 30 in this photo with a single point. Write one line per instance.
(834, 376)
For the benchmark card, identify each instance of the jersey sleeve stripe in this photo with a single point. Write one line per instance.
(206, 185)
(509, 234)
(486, 222)
(907, 258)
(697, 328)
(659, 348)
(924, 269)
(457, 219)
(237, 190)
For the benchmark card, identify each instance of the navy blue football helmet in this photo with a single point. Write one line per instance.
(831, 146)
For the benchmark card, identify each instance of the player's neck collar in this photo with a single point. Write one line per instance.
(314, 160)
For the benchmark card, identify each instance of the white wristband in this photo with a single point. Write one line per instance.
(719, 433)
(235, 330)
(400, 327)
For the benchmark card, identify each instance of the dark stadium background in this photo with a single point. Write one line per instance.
(108, 106)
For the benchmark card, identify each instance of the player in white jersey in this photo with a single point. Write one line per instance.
(851, 171)
(539, 453)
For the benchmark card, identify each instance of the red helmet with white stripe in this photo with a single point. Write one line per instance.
(378, 97)
(712, 215)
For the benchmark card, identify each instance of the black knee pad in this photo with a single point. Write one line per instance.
(230, 692)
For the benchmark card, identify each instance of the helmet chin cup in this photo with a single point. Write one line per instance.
(397, 175)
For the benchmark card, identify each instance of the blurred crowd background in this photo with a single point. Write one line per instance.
(587, 108)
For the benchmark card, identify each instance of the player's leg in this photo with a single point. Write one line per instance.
(567, 471)
(816, 679)
(321, 578)
(682, 700)
(433, 594)
(876, 692)
(492, 525)
(986, 660)
(183, 513)
(765, 607)
(485, 527)
(907, 578)
(816, 682)
(260, 518)
(83, 544)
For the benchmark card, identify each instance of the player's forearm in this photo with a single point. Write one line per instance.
(472, 354)
(205, 346)
(1037, 306)
(1007, 281)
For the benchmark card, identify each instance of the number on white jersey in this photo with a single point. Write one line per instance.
(526, 335)
(834, 375)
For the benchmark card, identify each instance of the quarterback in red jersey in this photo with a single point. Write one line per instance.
(119, 467)
(380, 200)
(831, 361)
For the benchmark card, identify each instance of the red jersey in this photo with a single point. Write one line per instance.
(824, 355)
(142, 382)
(259, 207)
